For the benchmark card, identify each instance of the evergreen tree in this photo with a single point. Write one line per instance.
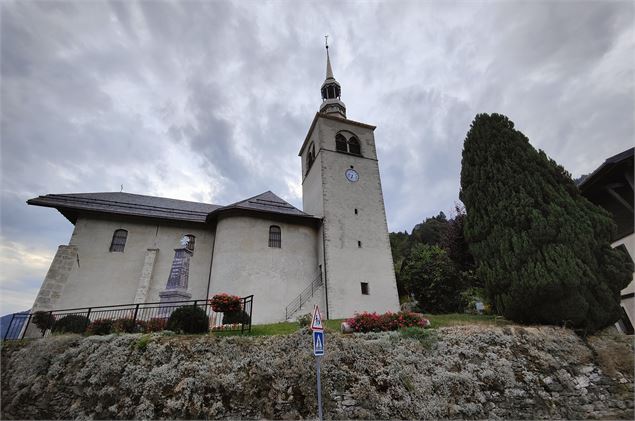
(453, 242)
(542, 249)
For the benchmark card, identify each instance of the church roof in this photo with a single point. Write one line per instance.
(70, 205)
(264, 203)
(125, 204)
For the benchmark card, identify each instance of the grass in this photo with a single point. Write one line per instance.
(436, 321)
(460, 319)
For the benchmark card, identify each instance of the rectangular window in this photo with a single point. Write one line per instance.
(365, 288)
(275, 237)
(359, 244)
(355, 211)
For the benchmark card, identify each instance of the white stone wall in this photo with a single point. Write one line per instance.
(50, 293)
(244, 264)
(106, 278)
(347, 264)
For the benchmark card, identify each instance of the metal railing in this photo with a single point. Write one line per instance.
(304, 296)
(145, 317)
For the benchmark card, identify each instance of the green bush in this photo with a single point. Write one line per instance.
(188, 319)
(233, 317)
(44, 320)
(305, 320)
(542, 249)
(73, 323)
(425, 336)
(142, 343)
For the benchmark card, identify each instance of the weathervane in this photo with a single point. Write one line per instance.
(326, 41)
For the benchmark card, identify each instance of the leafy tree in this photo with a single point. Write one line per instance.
(431, 231)
(542, 249)
(430, 275)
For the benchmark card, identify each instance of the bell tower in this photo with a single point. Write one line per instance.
(341, 184)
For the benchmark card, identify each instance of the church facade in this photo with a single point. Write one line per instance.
(128, 248)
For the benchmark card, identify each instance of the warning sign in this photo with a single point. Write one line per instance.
(316, 321)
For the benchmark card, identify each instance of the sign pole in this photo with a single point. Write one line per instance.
(318, 350)
(319, 387)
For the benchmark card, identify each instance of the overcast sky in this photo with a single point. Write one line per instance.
(211, 100)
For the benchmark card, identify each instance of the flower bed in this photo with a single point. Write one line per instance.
(225, 302)
(373, 322)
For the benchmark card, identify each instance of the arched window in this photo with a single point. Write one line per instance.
(119, 240)
(353, 146)
(340, 143)
(190, 242)
(275, 236)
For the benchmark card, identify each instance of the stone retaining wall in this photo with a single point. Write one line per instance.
(466, 372)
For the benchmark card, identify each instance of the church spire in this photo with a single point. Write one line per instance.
(331, 91)
(329, 70)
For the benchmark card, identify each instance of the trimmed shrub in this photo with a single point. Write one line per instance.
(233, 317)
(373, 322)
(189, 319)
(44, 320)
(73, 323)
(225, 302)
(100, 327)
(156, 324)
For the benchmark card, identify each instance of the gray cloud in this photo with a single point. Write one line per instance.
(210, 101)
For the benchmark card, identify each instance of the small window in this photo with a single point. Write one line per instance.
(355, 211)
(119, 240)
(359, 244)
(310, 157)
(353, 146)
(189, 245)
(365, 288)
(275, 236)
(340, 143)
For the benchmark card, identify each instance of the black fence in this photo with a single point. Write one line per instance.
(130, 318)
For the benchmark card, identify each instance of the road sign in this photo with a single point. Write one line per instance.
(316, 321)
(318, 343)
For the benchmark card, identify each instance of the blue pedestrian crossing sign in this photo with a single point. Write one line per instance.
(318, 343)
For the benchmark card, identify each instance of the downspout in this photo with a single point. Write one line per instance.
(209, 279)
(326, 289)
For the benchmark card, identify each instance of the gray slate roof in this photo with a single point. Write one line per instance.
(157, 207)
(266, 202)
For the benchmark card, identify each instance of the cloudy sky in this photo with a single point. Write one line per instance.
(211, 100)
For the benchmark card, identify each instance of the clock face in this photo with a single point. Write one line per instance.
(352, 175)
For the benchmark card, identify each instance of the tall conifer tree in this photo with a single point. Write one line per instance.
(542, 249)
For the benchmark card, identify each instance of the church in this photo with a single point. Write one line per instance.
(128, 248)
